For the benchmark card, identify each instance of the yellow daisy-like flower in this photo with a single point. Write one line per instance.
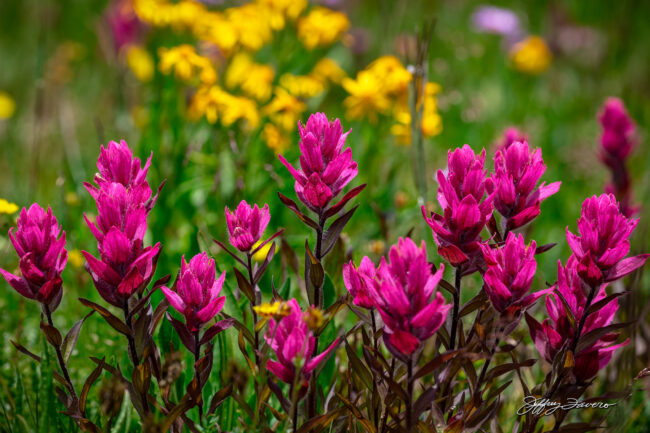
(284, 109)
(215, 28)
(274, 138)
(302, 86)
(367, 96)
(214, 103)
(254, 79)
(251, 24)
(260, 255)
(7, 105)
(314, 318)
(431, 120)
(76, 258)
(8, 207)
(186, 64)
(531, 56)
(275, 310)
(140, 63)
(280, 10)
(328, 70)
(321, 26)
(392, 74)
(162, 13)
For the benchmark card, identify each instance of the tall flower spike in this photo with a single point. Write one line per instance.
(517, 170)
(509, 275)
(294, 345)
(247, 224)
(325, 167)
(604, 241)
(42, 256)
(197, 291)
(402, 293)
(554, 333)
(358, 280)
(465, 210)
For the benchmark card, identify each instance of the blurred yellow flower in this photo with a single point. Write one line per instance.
(314, 319)
(140, 116)
(302, 86)
(7, 207)
(214, 103)
(431, 120)
(215, 28)
(321, 26)
(7, 105)
(186, 64)
(140, 62)
(284, 109)
(367, 96)
(531, 56)
(276, 310)
(328, 70)
(251, 25)
(391, 73)
(254, 79)
(275, 139)
(72, 198)
(76, 258)
(161, 13)
(280, 10)
(260, 256)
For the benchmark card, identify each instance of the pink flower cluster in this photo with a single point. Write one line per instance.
(401, 289)
(246, 225)
(123, 199)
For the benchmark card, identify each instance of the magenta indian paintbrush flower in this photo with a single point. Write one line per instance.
(42, 256)
(511, 135)
(247, 224)
(325, 167)
(603, 243)
(517, 197)
(123, 199)
(358, 280)
(197, 291)
(555, 332)
(402, 293)
(616, 142)
(294, 345)
(465, 210)
(509, 275)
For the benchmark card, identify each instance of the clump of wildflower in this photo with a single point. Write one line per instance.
(328, 70)
(186, 64)
(366, 96)
(216, 104)
(254, 79)
(140, 63)
(7, 207)
(284, 110)
(500, 21)
(302, 86)
(247, 224)
(321, 27)
(531, 55)
(275, 138)
(282, 10)
(431, 120)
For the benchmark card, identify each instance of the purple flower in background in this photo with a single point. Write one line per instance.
(511, 135)
(465, 211)
(403, 296)
(325, 167)
(552, 334)
(358, 280)
(42, 256)
(123, 23)
(492, 19)
(294, 345)
(246, 225)
(509, 275)
(197, 291)
(603, 243)
(517, 170)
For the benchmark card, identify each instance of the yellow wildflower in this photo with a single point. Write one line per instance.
(140, 62)
(367, 96)
(431, 120)
(7, 105)
(140, 116)
(328, 70)
(284, 109)
(214, 103)
(215, 28)
(377, 246)
(275, 139)
(314, 319)
(277, 310)
(302, 86)
(7, 207)
(260, 256)
(162, 13)
(531, 56)
(72, 198)
(321, 26)
(251, 25)
(280, 10)
(76, 258)
(186, 64)
(391, 73)
(254, 79)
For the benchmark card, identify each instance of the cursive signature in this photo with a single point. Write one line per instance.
(544, 406)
